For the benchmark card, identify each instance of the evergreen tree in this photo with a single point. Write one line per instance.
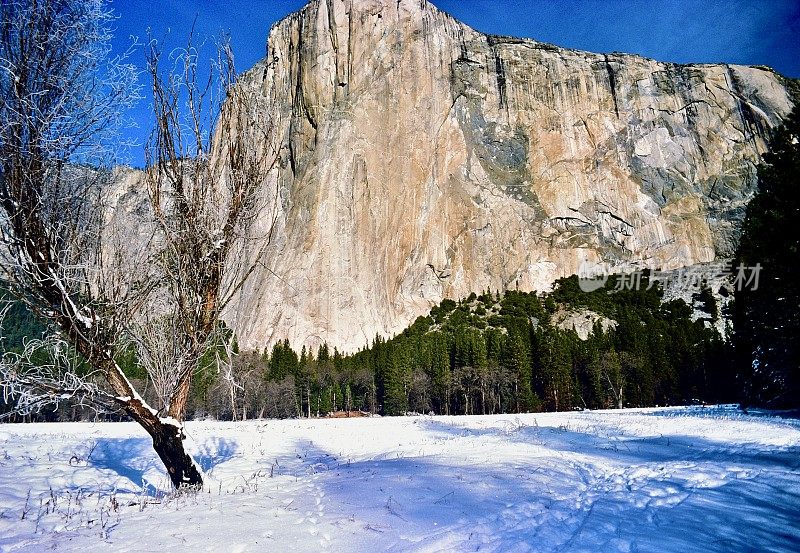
(441, 376)
(588, 378)
(555, 370)
(518, 362)
(395, 399)
(766, 320)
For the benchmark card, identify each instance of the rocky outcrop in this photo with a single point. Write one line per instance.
(420, 159)
(581, 321)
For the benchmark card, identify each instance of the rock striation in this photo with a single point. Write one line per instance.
(422, 160)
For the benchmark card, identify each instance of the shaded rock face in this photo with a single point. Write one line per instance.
(420, 159)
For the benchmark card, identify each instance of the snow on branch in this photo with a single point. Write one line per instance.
(46, 373)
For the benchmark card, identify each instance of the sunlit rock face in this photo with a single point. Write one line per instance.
(420, 159)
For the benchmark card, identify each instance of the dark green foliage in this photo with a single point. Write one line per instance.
(554, 366)
(500, 353)
(283, 362)
(396, 382)
(19, 324)
(518, 362)
(493, 353)
(442, 310)
(766, 320)
(707, 302)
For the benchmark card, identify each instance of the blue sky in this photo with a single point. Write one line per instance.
(756, 32)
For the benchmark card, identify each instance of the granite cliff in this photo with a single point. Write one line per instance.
(421, 159)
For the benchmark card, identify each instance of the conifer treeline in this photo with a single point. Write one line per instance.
(501, 354)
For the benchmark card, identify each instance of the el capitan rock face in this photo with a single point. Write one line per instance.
(421, 159)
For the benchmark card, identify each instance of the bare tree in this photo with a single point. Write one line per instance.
(206, 185)
(59, 256)
(53, 112)
(610, 368)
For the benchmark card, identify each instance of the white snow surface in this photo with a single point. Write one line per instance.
(673, 479)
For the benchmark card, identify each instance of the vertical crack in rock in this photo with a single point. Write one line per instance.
(499, 70)
(612, 83)
(751, 122)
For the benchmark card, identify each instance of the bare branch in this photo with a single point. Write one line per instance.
(206, 187)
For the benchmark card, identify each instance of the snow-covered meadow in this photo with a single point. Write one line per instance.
(679, 479)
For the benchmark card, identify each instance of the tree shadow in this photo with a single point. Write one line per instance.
(214, 451)
(130, 458)
(134, 458)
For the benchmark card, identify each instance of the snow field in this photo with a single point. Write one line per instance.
(675, 479)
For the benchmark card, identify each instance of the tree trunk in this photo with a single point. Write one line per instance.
(168, 443)
(232, 391)
(168, 439)
(167, 436)
(179, 398)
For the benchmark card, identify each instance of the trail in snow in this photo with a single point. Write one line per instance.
(678, 479)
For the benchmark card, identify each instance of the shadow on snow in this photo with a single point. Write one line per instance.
(573, 490)
(133, 458)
